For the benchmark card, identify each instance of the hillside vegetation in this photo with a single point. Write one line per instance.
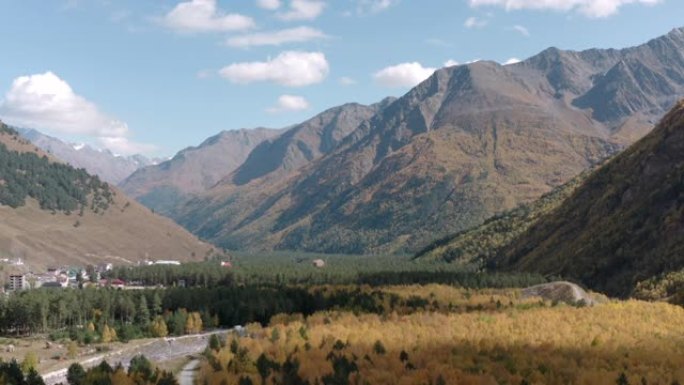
(53, 214)
(624, 225)
(56, 186)
(479, 244)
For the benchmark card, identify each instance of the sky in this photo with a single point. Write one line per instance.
(156, 76)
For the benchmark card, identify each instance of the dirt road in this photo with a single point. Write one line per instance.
(157, 351)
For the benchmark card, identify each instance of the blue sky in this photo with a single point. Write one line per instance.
(155, 76)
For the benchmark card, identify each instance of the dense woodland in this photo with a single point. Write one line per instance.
(297, 269)
(56, 186)
(102, 315)
(518, 343)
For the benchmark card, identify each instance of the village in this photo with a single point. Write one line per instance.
(82, 277)
(70, 276)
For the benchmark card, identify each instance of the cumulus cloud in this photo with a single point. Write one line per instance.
(287, 103)
(474, 22)
(590, 8)
(45, 101)
(403, 75)
(522, 30)
(270, 5)
(205, 16)
(284, 36)
(302, 10)
(451, 63)
(374, 6)
(289, 68)
(512, 60)
(347, 81)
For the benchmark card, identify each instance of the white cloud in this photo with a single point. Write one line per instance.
(374, 6)
(289, 68)
(270, 5)
(44, 101)
(403, 75)
(291, 35)
(123, 146)
(287, 103)
(512, 60)
(347, 81)
(204, 16)
(591, 8)
(522, 30)
(450, 63)
(474, 22)
(302, 10)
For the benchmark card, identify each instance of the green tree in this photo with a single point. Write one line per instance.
(143, 314)
(75, 374)
(141, 367)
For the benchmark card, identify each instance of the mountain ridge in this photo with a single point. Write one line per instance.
(468, 142)
(622, 226)
(193, 169)
(101, 162)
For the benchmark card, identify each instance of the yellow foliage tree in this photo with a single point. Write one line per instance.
(159, 328)
(30, 362)
(108, 334)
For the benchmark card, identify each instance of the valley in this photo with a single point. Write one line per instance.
(309, 192)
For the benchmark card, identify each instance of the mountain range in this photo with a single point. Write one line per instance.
(469, 142)
(164, 186)
(54, 214)
(103, 163)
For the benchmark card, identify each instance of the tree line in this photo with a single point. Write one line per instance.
(56, 186)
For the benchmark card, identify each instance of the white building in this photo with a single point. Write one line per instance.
(17, 282)
(163, 262)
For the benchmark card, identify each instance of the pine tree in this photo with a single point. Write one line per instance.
(143, 316)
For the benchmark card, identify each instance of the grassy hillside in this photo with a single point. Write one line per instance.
(477, 245)
(624, 225)
(53, 214)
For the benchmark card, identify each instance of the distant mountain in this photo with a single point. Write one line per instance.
(193, 170)
(53, 214)
(103, 163)
(468, 142)
(624, 225)
(304, 142)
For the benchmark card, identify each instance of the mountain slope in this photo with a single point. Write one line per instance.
(163, 186)
(625, 224)
(468, 142)
(109, 167)
(304, 142)
(53, 214)
(481, 243)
